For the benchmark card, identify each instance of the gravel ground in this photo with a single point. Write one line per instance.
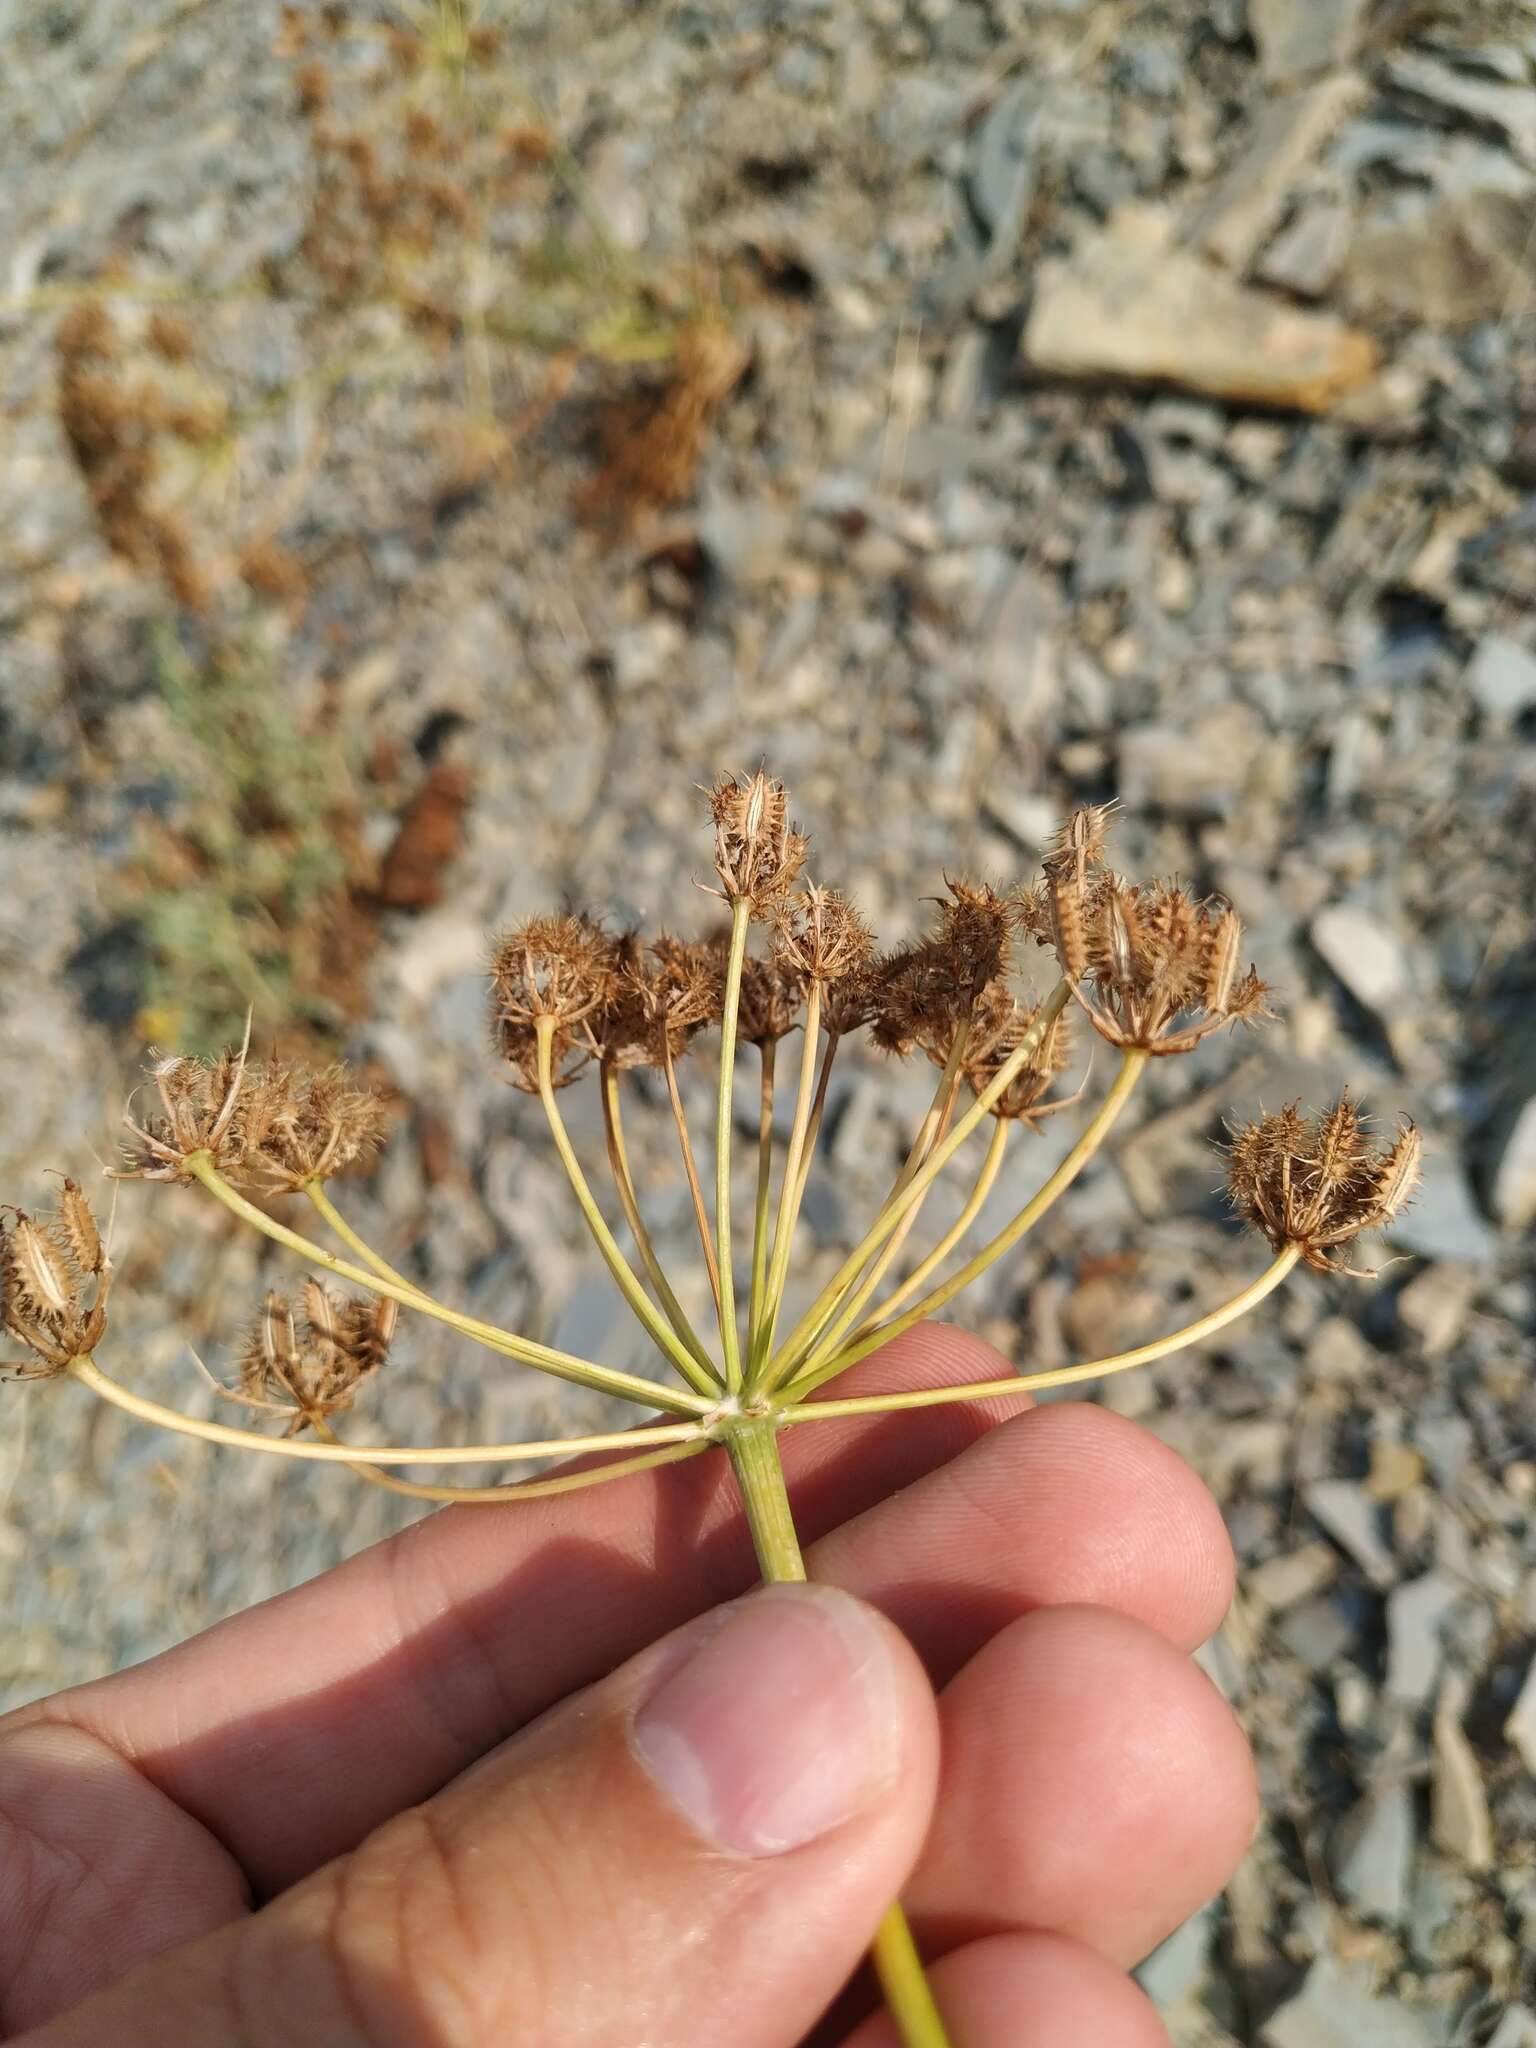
(1123, 401)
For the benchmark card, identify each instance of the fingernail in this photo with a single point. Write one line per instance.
(780, 1725)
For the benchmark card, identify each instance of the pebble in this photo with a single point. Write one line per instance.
(1434, 1306)
(1318, 1633)
(1285, 137)
(1299, 37)
(1281, 1581)
(1352, 1519)
(1460, 1823)
(1520, 1727)
(1502, 678)
(1364, 953)
(1416, 1615)
(1517, 2029)
(1374, 1854)
(1443, 1220)
(1125, 304)
(1514, 1180)
(1305, 257)
(1338, 2008)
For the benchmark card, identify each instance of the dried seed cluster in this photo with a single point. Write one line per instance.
(263, 1125)
(1154, 968)
(54, 1279)
(1317, 1182)
(311, 1361)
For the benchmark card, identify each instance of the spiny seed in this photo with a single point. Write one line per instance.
(41, 1274)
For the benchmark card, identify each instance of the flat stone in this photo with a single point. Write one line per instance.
(1286, 136)
(1514, 1180)
(1352, 1519)
(1364, 953)
(1305, 257)
(1484, 102)
(1189, 774)
(1517, 2029)
(1416, 1615)
(1443, 1220)
(1336, 2008)
(1175, 1967)
(1460, 1823)
(1318, 1633)
(1520, 1727)
(1280, 1582)
(1434, 1306)
(1502, 677)
(1127, 305)
(1444, 257)
(1374, 1860)
(1298, 37)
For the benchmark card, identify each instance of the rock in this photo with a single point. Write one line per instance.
(1318, 1633)
(1365, 955)
(1416, 1614)
(1459, 1819)
(1352, 1519)
(1444, 257)
(1443, 1220)
(1299, 37)
(1520, 1727)
(1286, 136)
(1279, 1582)
(1337, 1351)
(1125, 304)
(1483, 102)
(1514, 1179)
(1434, 1306)
(1502, 678)
(1305, 256)
(1517, 2029)
(1374, 1858)
(1336, 2008)
(1175, 1967)
(1190, 774)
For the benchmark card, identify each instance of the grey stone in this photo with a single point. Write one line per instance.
(1365, 954)
(1125, 304)
(1416, 1614)
(1443, 1220)
(1434, 1306)
(1189, 774)
(1460, 1822)
(1517, 2029)
(1306, 255)
(1374, 1854)
(1176, 1966)
(1484, 102)
(1281, 1581)
(1445, 255)
(1502, 677)
(1318, 1633)
(1520, 1726)
(1337, 2008)
(1286, 136)
(1514, 1179)
(1299, 37)
(1352, 1519)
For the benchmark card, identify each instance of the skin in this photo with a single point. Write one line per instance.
(409, 1806)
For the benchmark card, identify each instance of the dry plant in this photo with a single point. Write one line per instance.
(1147, 967)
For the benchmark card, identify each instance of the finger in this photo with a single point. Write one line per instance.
(643, 1851)
(1065, 1505)
(1032, 1991)
(1095, 1785)
(99, 1871)
(291, 1730)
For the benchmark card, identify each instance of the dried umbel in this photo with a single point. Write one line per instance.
(1154, 970)
(309, 1363)
(758, 852)
(54, 1279)
(1315, 1184)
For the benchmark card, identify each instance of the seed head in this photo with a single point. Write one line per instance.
(54, 1278)
(1318, 1182)
(820, 936)
(1000, 1027)
(929, 991)
(771, 995)
(311, 1363)
(309, 1128)
(200, 1104)
(758, 852)
(553, 973)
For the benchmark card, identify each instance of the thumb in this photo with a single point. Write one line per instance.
(705, 1839)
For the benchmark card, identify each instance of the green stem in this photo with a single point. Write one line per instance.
(601, 1378)
(337, 1222)
(891, 1215)
(976, 1200)
(1131, 1066)
(629, 1201)
(767, 1055)
(1058, 1376)
(792, 1187)
(651, 1320)
(754, 1454)
(730, 1342)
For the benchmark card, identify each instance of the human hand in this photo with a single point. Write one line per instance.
(515, 1776)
